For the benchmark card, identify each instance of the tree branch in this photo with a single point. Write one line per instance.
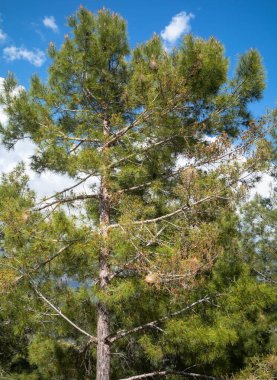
(142, 117)
(265, 277)
(62, 136)
(213, 160)
(144, 150)
(186, 207)
(80, 197)
(65, 190)
(133, 188)
(169, 372)
(122, 333)
(169, 215)
(124, 267)
(93, 339)
(48, 260)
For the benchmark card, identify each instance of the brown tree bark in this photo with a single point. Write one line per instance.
(103, 321)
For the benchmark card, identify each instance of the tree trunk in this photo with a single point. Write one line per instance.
(103, 321)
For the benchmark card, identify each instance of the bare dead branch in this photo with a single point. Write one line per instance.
(92, 339)
(75, 198)
(124, 267)
(62, 136)
(133, 188)
(169, 215)
(169, 372)
(46, 261)
(66, 189)
(146, 149)
(142, 117)
(265, 277)
(76, 147)
(122, 333)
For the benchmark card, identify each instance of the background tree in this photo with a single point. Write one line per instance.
(259, 236)
(258, 225)
(172, 144)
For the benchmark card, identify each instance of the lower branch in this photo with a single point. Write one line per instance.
(122, 333)
(177, 373)
(58, 311)
(166, 216)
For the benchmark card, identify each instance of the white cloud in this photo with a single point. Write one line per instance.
(50, 22)
(3, 36)
(35, 57)
(178, 25)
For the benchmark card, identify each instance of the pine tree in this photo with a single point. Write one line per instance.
(260, 235)
(172, 144)
(258, 223)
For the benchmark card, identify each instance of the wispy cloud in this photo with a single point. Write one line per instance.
(3, 36)
(35, 57)
(178, 25)
(37, 29)
(50, 22)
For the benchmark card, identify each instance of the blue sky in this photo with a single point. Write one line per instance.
(28, 26)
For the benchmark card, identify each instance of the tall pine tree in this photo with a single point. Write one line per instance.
(172, 145)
